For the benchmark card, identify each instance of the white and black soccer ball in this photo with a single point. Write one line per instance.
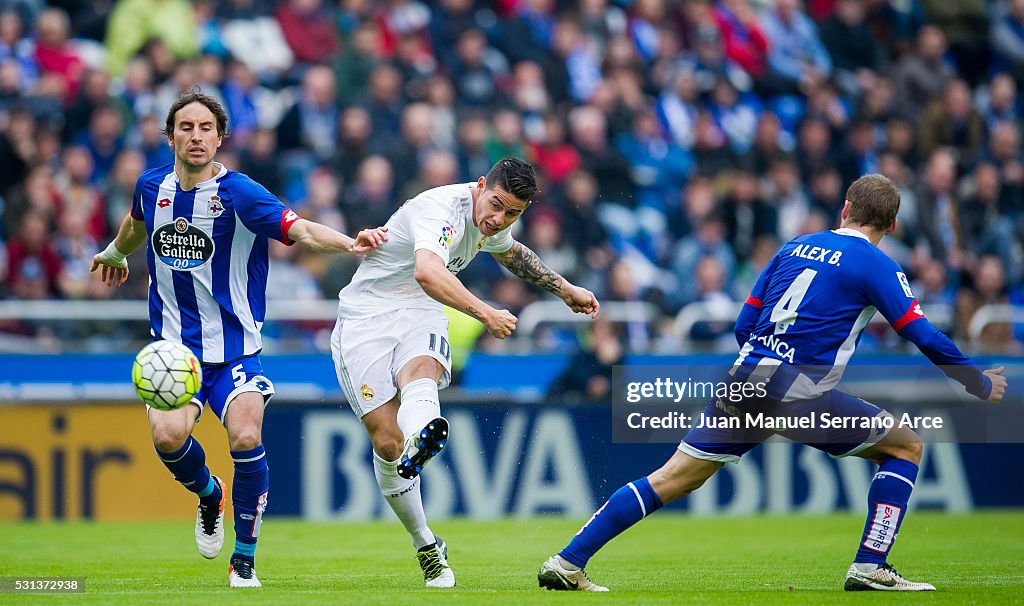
(166, 375)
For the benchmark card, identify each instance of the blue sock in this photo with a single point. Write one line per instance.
(630, 504)
(249, 498)
(887, 506)
(188, 465)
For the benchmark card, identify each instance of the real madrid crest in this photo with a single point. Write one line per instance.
(366, 392)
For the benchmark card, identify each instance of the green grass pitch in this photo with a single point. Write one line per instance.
(669, 559)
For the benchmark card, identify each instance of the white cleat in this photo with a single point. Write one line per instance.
(210, 525)
(553, 575)
(880, 577)
(242, 574)
(434, 563)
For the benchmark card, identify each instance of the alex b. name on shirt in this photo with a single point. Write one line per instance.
(817, 253)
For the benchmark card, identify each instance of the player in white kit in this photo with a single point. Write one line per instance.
(390, 345)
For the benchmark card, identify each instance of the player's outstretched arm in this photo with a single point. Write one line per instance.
(111, 261)
(890, 294)
(525, 264)
(439, 283)
(323, 239)
(989, 385)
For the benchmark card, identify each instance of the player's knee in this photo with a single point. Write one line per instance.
(419, 368)
(684, 485)
(679, 477)
(906, 445)
(672, 488)
(912, 450)
(168, 437)
(246, 438)
(693, 483)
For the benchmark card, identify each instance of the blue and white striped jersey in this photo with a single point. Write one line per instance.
(207, 255)
(809, 306)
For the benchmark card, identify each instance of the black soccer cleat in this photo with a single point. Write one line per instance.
(421, 447)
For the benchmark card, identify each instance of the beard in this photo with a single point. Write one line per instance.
(193, 163)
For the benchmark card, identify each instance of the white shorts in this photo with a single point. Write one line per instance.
(369, 352)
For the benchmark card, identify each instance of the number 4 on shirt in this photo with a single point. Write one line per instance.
(784, 313)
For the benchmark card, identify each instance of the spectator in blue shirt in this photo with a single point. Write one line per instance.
(797, 60)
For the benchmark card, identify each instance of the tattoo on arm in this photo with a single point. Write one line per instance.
(525, 263)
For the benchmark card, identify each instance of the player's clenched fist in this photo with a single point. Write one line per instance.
(998, 384)
(581, 300)
(501, 323)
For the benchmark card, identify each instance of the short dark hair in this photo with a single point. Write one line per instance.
(514, 176)
(195, 95)
(874, 201)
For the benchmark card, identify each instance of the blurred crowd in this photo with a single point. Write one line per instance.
(678, 142)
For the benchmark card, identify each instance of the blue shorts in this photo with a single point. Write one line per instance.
(222, 382)
(727, 444)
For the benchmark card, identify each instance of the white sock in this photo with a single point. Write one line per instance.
(419, 406)
(404, 498)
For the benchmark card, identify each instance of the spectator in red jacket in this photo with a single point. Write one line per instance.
(745, 42)
(53, 53)
(33, 264)
(309, 30)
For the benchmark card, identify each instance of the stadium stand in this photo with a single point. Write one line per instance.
(678, 143)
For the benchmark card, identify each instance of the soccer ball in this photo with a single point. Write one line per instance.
(166, 375)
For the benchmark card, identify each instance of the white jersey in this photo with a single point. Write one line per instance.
(439, 220)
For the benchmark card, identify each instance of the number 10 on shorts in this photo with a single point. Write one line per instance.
(444, 349)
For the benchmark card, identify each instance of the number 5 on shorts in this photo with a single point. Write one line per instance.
(238, 375)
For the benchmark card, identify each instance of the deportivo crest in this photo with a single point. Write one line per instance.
(181, 245)
(366, 392)
(214, 208)
(447, 233)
